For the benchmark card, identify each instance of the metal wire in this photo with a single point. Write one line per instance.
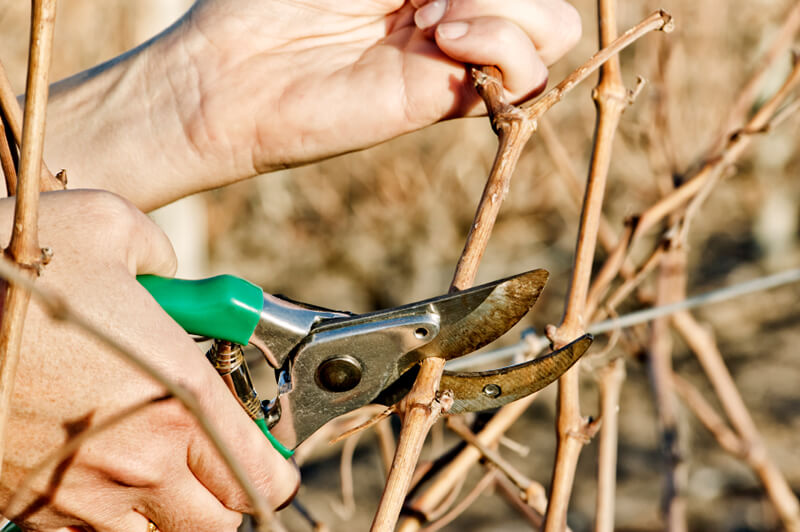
(535, 343)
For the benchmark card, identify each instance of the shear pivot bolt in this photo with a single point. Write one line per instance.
(339, 374)
(491, 390)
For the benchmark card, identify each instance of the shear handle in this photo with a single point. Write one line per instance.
(223, 307)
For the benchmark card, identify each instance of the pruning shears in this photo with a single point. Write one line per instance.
(329, 363)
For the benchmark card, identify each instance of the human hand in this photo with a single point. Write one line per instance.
(237, 88)
(281, 83)
(157, 464)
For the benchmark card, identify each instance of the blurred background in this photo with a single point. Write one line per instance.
(385, 226)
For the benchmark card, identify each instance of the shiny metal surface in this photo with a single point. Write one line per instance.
(228, 360)
(386, 344)
(282, 326)
(473, 392)
(305, 405)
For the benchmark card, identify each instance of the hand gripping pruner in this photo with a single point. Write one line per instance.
(329, 363)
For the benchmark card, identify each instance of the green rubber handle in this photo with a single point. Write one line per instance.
(278, 446)
(11, 527)
(224, 307)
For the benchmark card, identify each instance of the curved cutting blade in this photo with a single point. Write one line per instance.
(476, 391)
(502, 305)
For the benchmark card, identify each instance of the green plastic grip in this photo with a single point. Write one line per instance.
(224, 307)
(278, 446)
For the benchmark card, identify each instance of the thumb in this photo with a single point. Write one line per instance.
(151, 251)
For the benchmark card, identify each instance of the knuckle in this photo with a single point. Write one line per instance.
(507, 35)
(114, 212)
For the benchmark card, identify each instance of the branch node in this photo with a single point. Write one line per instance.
(61, 177)
(668, 22)
(29, 266)
(47, 256)
(634, 93)
(587, 430)
(445, 399)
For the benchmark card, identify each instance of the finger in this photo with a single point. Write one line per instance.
(130, 521)
(499, 42)
(275, 477)
(185, 504)
(152, 252)
(553, 25)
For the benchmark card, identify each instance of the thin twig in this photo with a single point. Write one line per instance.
(558, 153)
(670, 286)
(747, 96)
(611, 268)
(486, 481)
(494, 457)
(347, 507)
(760, 122)
(386, 443)
(514, 126)
(73, 445)
(511, 494)
(657, 21)
(611, 378)
(10, 106)
(572, 429)
(447, 504)
(736, 146)
(13, 114)
(438, 489)
(702, 343)
(717, 426)
(630, 284)
(24, 246)
(7, 162)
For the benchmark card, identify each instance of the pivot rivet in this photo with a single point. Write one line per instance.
(491, 390)
(340, 373)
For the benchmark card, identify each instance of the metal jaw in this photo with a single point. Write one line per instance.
(330, 363)
(283, 325)
(483, 390)
(336, 371)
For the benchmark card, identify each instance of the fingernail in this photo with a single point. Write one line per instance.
(452, 30)
(430, 14)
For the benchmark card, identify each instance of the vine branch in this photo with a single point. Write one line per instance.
(24, 246)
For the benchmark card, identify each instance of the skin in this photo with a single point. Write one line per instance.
(198, 108)
(233, 89)
(156, 464)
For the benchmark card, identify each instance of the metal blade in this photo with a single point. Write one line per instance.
(505, 303)
(491, 309)
(476, 391)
